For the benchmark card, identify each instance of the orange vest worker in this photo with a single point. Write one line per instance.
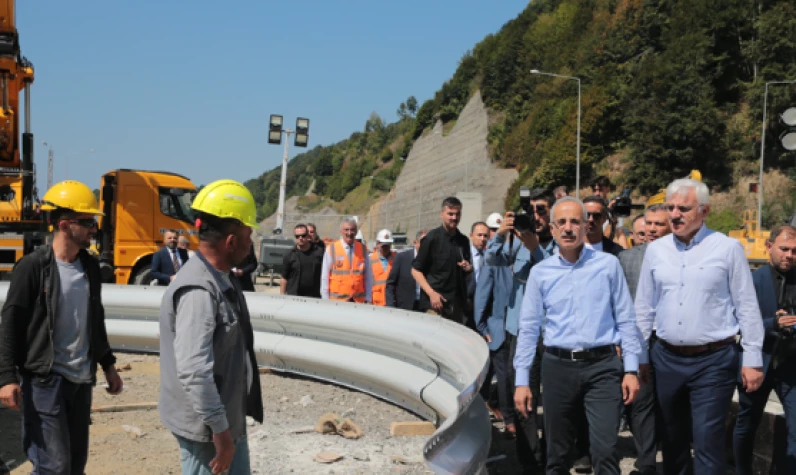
(347, 279)
(380, 275)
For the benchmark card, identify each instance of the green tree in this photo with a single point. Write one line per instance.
(411, 105)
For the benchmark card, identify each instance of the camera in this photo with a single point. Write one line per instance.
(524, 219)
(624, 204)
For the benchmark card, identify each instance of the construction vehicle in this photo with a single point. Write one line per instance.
(752, 239)
(21, 228)
(139, 207)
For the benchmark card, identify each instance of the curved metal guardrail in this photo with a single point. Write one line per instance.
(422, 363)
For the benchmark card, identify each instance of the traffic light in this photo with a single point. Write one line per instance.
(275, 129)
(302, 132)
(788, 137)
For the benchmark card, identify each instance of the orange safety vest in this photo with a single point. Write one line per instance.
(380, 275)
(347, 280)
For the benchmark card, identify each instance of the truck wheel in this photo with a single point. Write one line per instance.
(143, 276)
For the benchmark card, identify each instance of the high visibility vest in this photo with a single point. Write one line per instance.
(380, 275)
(347, 280)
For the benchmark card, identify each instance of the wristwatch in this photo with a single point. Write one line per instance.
(634, 373)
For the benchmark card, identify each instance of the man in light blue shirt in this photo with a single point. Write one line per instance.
(696, 286)
(528, 248)
(582, 298)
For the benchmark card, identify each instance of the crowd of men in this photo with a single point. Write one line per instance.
(601, 331)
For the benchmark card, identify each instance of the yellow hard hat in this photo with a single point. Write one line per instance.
(71, 195)
(227, 199)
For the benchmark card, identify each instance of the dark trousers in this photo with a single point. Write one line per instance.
(642, 424)
(499, 366)
(571, 386)
(55, 419)
(750, 410)
(694, 394)
(530, 451)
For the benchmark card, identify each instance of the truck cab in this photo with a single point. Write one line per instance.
(139, 207)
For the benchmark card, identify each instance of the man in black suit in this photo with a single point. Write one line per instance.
(775, 285)
(402, 290)
(245, 271)
(597, 210)
(167, 261)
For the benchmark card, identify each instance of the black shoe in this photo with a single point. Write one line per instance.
(583, 465)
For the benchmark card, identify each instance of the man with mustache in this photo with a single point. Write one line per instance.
(642, 411)
(581, 298)
(775, 284)
(695, 285)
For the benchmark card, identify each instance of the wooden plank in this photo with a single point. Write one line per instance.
(136, 406)
(399, 429)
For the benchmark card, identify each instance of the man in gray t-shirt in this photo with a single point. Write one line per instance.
(70, 335)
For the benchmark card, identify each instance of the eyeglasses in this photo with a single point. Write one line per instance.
(301, 236)
(682, 209)
(85, 222)
(597, 216)
(541, 210)
(574, 222)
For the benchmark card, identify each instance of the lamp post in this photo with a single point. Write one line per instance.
(577, 159)
(49, 165)
(763, 152)
(275, 131)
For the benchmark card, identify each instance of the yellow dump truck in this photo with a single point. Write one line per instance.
(139, 207)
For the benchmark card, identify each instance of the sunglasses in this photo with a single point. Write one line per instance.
(85, 222)
(597, 216)
(681, 209)
(301, 236)
(541, 210)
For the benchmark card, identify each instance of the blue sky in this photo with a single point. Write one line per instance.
(188, 86)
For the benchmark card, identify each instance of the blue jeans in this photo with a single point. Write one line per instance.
(195, 457)
(55, 418)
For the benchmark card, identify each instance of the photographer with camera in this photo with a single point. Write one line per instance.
(523, 240)
(775, 285)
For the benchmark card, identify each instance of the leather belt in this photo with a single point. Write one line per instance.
(694, 350)
(581, 355)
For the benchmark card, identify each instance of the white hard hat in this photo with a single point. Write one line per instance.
(494, 220)
(384, 236)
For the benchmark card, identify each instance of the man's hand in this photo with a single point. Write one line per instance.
(644, 373)
(528, 239)
(11, 396)
(171, 277)
(523, 400)
(225, 450)
(488, 338)
(437, 301)
(115, 384)
(752, 378)
(465, 265)
(507, 224)
(784, 320)
(630, 388)
(238, 272)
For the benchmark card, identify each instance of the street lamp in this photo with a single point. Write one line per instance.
(577, 159)
(275, 131)
(49, 165)
(763, 152)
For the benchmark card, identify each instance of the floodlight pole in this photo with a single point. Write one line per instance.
(763, 152)
(280, 214)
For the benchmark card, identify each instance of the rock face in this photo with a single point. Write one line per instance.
(438, 167)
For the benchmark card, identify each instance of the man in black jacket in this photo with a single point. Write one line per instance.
(402, 290)
(302, 266)
(170, 259)
(52, 331)
(245, 271)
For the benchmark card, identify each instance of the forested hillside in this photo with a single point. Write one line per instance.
(667, 86)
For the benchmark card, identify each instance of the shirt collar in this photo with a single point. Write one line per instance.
(222, 280)
(698, 238)
(585, 253)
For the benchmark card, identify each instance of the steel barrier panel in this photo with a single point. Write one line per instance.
(423, 363)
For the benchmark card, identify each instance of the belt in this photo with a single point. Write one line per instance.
(694, 350)
(581, 355)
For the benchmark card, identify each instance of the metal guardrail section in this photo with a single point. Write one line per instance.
(423, 363)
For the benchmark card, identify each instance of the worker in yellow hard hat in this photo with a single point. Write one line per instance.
(54, 306)
(208, 371)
